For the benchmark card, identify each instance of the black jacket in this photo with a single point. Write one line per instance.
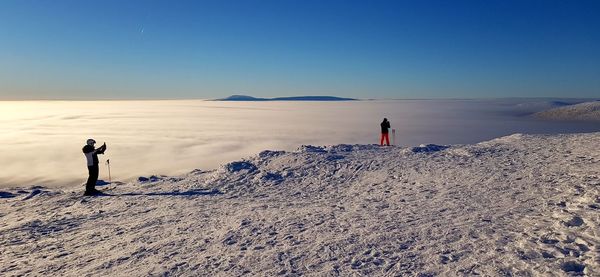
(91, 154)
(385, 125)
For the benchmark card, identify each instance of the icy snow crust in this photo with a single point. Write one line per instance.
(524, 205)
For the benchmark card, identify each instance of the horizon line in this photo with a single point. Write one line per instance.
(355, 99)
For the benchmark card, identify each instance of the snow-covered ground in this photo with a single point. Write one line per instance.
(588, 111)
(521, 205)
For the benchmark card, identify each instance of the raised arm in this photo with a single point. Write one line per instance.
(101, 149)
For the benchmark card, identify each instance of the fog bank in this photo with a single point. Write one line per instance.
(41, 140)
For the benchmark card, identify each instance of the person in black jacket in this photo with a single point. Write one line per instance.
(91, 155)
(385, 126)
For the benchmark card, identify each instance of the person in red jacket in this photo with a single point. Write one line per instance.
(91, 155)
(385, 126)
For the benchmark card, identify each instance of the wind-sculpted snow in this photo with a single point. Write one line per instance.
(520, 205)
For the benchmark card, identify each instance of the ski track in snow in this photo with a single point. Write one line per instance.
(522, 205)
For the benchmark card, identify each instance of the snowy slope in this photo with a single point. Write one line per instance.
(522, 205)
(583, 111)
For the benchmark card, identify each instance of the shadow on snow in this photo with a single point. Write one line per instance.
(170, 193)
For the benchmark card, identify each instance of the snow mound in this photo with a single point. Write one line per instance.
(270, 154)
(429, 148)
(312, 149)
(588, 111)
(198, 171)
(241, 165)
(521, 205)
(150, 179)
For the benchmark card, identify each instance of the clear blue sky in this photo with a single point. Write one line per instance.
(83, 49)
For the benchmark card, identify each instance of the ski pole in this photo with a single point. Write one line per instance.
(393, 136)
(108, 165)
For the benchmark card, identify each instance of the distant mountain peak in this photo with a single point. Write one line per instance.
(586, 111)
(238, 97)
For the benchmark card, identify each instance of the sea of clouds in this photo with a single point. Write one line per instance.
(41, 141)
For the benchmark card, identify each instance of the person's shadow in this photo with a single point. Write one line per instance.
(174, 193)
(193, 192)
(188, 193)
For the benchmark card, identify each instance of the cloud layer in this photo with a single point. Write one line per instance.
(41, 141)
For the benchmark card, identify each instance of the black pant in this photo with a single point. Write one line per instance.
(91, 182)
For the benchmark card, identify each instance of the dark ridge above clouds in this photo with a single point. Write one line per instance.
(291, 98)
(587, 111)
(528, 107)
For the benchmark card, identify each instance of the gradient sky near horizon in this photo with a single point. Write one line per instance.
(364, 49)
